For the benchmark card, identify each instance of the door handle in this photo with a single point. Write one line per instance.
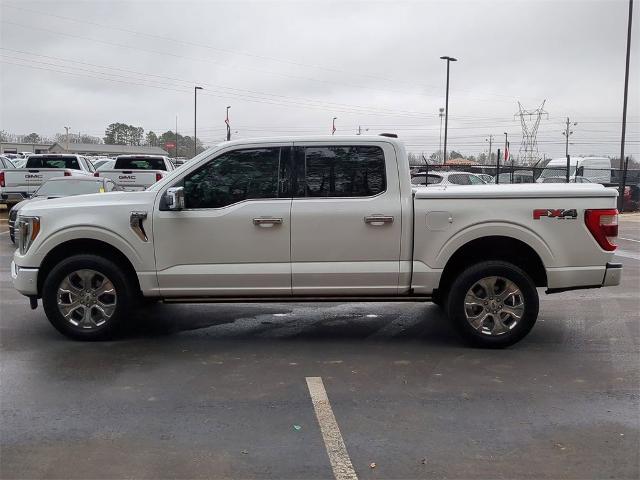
(377, 220)
(267, 221)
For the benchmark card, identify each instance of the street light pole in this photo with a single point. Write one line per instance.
(446, 106)
(490, 140)
(624, 107)
(441, 114)
(195, 119)
(228, 125)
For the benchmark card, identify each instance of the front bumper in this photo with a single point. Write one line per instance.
(25, 280)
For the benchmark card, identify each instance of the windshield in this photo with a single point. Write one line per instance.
(66, 188)
(57, 161)
(557, 171)
(140, 163)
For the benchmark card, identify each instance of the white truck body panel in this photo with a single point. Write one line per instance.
(324, 246)
(132, 179)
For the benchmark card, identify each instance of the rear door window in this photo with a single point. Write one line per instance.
(340, 171)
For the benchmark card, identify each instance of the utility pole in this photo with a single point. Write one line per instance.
(228, 125)
(441, 115)
(66, 140)
(446, 105)
(490, 140)
(333, 128)
(624, 106)
(359, 132)
(195, 119)
(567, 133)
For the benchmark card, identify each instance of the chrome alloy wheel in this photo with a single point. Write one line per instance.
(86, 299)
(494, 305)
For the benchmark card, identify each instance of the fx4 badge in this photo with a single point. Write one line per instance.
(560, 213)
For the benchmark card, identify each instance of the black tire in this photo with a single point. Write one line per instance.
(124, 290)
(467, 279)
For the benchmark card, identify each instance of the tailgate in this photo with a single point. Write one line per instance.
(132, 179)
(30, 179)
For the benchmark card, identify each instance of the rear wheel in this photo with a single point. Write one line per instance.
(87, 297)
(493, 304)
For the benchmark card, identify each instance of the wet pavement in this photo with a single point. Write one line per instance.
(219, 391)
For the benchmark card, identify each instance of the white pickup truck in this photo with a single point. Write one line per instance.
(137, 172)
(19, 183)
(315, 219)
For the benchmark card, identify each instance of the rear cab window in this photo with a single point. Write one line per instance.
(58, 161)
(140, 163)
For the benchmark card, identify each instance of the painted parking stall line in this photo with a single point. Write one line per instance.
(336, 449)
(629, 239)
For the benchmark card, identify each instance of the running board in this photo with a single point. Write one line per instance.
(412, 298)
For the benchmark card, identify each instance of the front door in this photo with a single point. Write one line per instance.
(233, 237)
(345, 220)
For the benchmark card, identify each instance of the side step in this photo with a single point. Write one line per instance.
(412, 298)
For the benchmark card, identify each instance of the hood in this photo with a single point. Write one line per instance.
(90, 201)
(26, 202)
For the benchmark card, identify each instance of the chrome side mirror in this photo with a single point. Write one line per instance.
(174, 198)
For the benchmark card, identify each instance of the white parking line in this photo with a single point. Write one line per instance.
(629, 239)
(333, 442)
(2, 233)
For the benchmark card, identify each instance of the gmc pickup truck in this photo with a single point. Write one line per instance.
(19, 183)
(137, 172)
(315, 219)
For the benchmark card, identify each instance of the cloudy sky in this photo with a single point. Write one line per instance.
(289, 67)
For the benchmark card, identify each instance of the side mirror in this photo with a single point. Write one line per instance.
(174, 198)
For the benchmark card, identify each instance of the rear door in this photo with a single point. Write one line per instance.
(345, 219)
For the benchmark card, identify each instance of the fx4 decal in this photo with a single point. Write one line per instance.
(560, 213)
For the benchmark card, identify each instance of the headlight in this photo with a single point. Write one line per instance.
(27, 229)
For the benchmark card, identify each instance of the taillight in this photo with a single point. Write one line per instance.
(603, 225)
(158, 176)
(2, 179)
(96, 174)
(67, 173)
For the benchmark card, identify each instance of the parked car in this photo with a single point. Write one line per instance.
(98, 162)
(446, 178)
(6, 163)
(594, 169)
(18, 184)
(515, 177)
(137, 172)
(19, 162)
(108, 165)
(61, 187)
(293, 219)
(485, 177)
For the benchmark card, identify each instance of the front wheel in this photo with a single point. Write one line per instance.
(493, 304)
(87, 297)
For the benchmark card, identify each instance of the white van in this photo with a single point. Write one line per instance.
(590, 169)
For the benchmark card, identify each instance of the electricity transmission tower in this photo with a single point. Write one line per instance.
(530, 121)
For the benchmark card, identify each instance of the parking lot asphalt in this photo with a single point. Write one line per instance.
(220, 391)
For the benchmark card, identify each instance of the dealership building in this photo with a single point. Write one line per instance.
(92, 149)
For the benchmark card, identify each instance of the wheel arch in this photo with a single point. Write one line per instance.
(87, 246)
(494, 247)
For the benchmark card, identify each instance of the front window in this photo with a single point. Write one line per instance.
(68, 187)
(233, 177)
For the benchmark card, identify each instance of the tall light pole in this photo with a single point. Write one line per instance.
(195, 119)
(441, 114)
(66, 140)
(624, 106)
(228, 125)
(567, 133)
(490, 140)
(176, 136)
(446, 105)
(333, 128)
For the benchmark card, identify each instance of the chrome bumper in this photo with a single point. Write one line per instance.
(25, 280)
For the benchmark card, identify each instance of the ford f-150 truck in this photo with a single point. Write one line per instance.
(312, 219)
(137, 172)
(18, 184)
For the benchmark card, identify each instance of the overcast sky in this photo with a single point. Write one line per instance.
(289, 67)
